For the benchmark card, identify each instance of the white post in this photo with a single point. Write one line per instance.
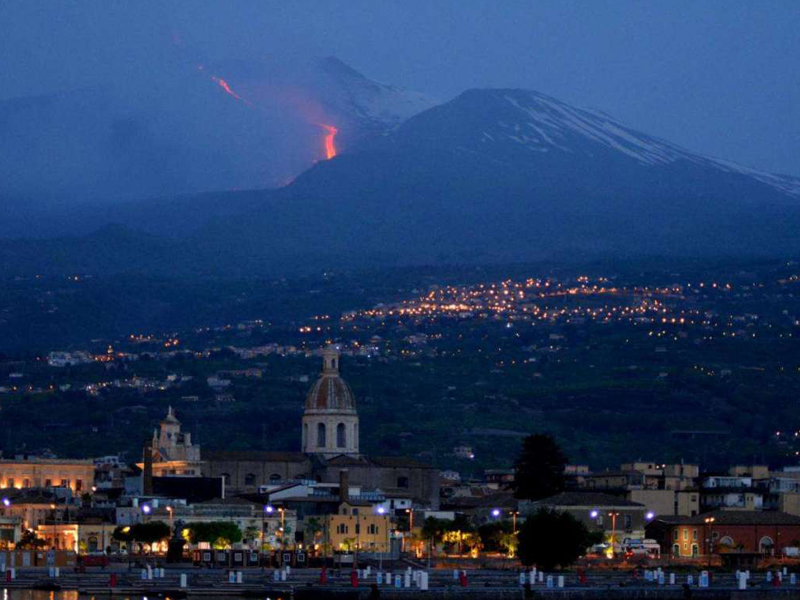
(388, 579)
(792, 578)
(423, 581)
(398, 582)
(661, 579)
(239, 577)
(455, 574)
(231, 577)
(560, 581)
(407, 580)
(541, 577)
(672, 578)
(549, 581)
(690, 579)
(742, 581)
(522, 579)
(183, 580)
(144, 573)
(532, 576)
(283, 575)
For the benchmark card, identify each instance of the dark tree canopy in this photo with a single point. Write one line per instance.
(550, 539)
(539, 470)
(215, 532)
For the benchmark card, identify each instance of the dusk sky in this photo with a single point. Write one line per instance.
(719, 77)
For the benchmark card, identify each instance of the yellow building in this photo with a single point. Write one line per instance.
(81, 538)
(356, 526)
(28, 472)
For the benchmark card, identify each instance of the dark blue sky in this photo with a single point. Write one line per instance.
(720, 77)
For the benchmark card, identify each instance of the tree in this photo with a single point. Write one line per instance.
(150, 533)
(28, 539)
(550, 539)
(539, 469)
(433, 530)
(220, 534)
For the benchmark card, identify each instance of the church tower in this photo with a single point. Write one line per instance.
(330, 420)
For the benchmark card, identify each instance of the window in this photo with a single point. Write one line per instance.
(320, 435)
(628, 521)
(358, 528)
(10, 482)
(341, 436)
(26, 483)
(694, 535)
(355, 511)
(402, 482)
(78, 485)
(372, 529)
(65, 483)
(675, 535)
(48, 483)
(250, 479)
(305, 435)
(342, 528)
(685, 534)
(676, 550)
(274, 478)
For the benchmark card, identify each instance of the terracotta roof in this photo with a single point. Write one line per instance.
(593, 499)
(735, 517)
(253, 456)
(399, 462)
(330, 393)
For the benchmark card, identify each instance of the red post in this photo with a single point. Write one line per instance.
(354, 578)
(112, 580)
(323, 575)
(463, 578)
(8, 574)
(776, 581)
(582, 576)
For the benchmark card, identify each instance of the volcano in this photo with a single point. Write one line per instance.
(193, 127)
(496, 175)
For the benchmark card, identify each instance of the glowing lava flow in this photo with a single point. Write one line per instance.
(330, 146)
(225, 86)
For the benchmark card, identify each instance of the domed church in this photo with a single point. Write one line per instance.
(329, 444)
(330, 420)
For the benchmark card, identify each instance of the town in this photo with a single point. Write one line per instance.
(330, 505)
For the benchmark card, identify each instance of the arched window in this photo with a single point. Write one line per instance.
(305, 435)
(402, 482)
(250, 479)
(695, 550)
(341, 436)
(727, 542)
(766, 545)
(226, 477)
(676, 549)
(274, 478)
(320, 435)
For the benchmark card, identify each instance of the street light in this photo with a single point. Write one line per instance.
(382, 511)
(709, 521)
(169, 510)
(514, 514)
(410, 512)
(496, 513)
(613, 514)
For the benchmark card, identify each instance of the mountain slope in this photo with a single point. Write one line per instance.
(496, 176)
(186, 128)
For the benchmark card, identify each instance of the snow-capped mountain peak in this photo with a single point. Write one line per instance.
(542, 124)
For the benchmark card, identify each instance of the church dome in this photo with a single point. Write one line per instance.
(330, 392)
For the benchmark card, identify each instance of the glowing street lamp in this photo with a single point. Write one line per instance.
(496, 513)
